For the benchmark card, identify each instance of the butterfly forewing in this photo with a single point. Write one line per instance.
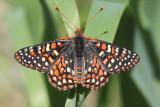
(62, 75)
(41, 56)
(114, 58)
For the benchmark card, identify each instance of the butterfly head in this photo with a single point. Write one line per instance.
(78, 31)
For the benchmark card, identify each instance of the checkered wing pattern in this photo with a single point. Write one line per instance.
(41, 56)
(62, 75)
(115, 59)
(95, 76)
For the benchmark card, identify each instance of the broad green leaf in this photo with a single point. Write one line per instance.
(35, 18)
(69, 9)
(143, 75)
(21, 37)
(105, 24)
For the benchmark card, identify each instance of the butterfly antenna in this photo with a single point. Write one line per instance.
(65, 16)
(93, 17)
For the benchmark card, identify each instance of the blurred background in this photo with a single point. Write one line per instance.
(133, 24)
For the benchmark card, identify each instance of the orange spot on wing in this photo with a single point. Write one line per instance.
(49, 79)
(92, 86)
(54, 67)
(118, 70)
(109, 56)
(64, 65)
(98, 44)
(97, 77)
(64, 76)
(69, 76)
(87, 85)
(65, 87)
(74, 78)
(89, 76)
(94, 60)
(61, 71)
(84, 77)
(59, 77)
(59, 88)
(71, 86)
(134, 63)
(100, 73)
(46, 55)
(37, 68)
(17, 57)
(103, 46)
(93, 75)
(136, 60)
(53, 45)
(16, 54)
(59, 66)
(43, 49)
(123, 67)
(26, 65)
(60, 43)
(56, 73)
(131, 66)
(107, 80)
(22, 62)
(31, 51)
(113, 51)
(54, 84)
(105, 61)
(31, 65)
(50, 60)
(102, 83)
(19, 60)
(122, 55)
(97, 65)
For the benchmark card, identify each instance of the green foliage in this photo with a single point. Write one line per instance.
(133, 24)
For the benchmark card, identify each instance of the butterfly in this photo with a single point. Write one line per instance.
(77, 60)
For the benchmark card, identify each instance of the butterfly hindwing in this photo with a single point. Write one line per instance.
(114, 58)
(95, 76)
(40, 57)
(62, 75)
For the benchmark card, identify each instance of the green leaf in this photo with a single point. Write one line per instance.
(21, 37)
(143, 75)
(69, 9)
(106, 21)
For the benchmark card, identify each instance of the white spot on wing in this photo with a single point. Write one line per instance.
(101, 53)
(55, 52)
(109, 48)
(47, 47)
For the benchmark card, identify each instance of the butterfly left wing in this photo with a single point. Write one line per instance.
(113, 58)
(40, 57)
(62, 74)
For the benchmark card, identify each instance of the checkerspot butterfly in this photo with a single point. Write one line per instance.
(77, 60)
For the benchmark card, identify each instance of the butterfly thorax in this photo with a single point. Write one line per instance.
(79, 46)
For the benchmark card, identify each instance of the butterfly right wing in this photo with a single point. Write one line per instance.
(40, 57)
(113, 58)
(94, 75)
